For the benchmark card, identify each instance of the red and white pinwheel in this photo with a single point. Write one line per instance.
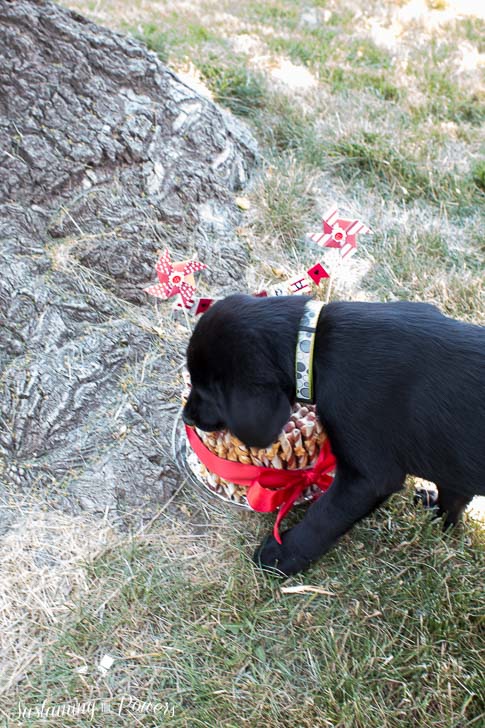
(176, 279)
(339, 233)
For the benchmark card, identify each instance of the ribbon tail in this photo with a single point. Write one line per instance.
(285, 508)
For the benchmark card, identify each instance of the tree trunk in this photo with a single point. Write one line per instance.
(106, 158)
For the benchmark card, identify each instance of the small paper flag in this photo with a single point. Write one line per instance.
(196, 306)
(202, 304)
(279, 290)
(299, 284)
(318, 273)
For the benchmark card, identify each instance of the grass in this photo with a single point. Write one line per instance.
(175, 39)
(313, 50)
(478, 175)
(283, 15)
(285, 201)
(432, 268)
(392, 132)
(396, 171)
(191, 625)
(240, 90)
(155, 39)
(446, 97)
(473, 30)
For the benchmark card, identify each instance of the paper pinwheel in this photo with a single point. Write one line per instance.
(339, 233)
(175, 279)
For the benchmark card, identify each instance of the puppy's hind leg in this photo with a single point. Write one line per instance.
(451, 505)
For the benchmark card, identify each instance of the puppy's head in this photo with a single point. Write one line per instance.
(240, 369)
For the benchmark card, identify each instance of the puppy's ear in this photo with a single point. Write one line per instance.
(257, 416)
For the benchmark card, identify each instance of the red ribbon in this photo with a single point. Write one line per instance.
(268, 488)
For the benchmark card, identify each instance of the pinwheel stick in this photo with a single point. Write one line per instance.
(187, 320)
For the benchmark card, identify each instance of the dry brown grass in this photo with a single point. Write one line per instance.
(43, 560)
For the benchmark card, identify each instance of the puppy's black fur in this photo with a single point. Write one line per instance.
(399, 387)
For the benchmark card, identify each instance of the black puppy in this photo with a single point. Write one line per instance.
(399, 388)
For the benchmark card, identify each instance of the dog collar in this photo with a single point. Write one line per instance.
(304, 352)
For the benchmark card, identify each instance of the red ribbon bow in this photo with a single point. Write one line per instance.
(268, 488)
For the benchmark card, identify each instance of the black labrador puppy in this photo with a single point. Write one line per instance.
(399, 388)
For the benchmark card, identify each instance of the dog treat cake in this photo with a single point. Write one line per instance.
(298, 447)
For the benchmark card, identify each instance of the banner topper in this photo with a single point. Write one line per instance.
(338, 233)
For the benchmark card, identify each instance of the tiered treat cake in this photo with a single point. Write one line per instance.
(297, 448)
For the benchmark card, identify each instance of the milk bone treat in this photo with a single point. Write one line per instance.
(298, 447)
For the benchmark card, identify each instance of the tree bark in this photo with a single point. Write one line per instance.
(106, 158)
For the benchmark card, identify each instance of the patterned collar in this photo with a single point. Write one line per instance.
(304, 352)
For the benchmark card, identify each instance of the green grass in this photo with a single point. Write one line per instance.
(396, 171)
(274, 14)
(364, 52)
(286, 202)
(473, 29)
(285, 127)
(447, 98)
(311, 49)
(447, 101)
(376, 82)
(235, 87)
(478, 175)
(396, 642)
(428, 266)
(155, 39)
(358, 65)
(391, 166)
(175, 39)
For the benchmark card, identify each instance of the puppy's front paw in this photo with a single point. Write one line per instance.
(279, 560)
